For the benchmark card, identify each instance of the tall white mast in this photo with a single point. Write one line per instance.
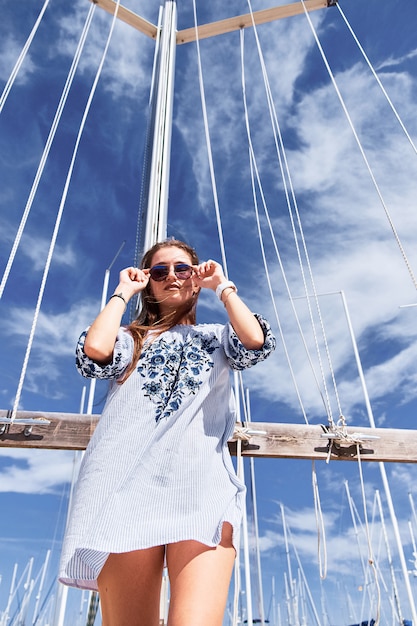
(161, 106)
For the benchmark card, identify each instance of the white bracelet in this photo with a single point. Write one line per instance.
(227, 284)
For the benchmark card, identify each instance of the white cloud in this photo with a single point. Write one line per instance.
(56, 334)
(34, 471)
(10, 50)
(125, 71)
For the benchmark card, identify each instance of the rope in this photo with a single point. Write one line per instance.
(280, 149)
(59, 216)
(208, 143)
(362, 151)
(48, 146)
(325, 398)
(21, 58)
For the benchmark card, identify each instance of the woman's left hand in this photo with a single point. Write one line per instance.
(208, 274)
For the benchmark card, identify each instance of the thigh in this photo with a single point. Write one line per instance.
(130, 586)
(199, 581)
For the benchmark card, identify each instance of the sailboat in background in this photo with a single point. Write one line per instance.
(152, 225)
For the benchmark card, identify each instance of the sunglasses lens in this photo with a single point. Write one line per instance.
(159, 272)
(181, 271)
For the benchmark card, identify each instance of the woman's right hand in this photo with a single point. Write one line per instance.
(101, 336)
(132, 280)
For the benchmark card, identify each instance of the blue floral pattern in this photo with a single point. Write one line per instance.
(121, 358)
(175, 364)
(174, 370)
(239, 357)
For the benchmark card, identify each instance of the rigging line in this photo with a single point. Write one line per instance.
(371, 560)
(59, 216)
(281, 150)
(378, 80)
(255, 523)
(364, 527)
(396, 595)
(268, 278)
(144, 191)
(21, 57)
(134, 305)
(304, 577)
(47, 148)
(321, 533)
(361, 149)
(365, 571)
(253, 167)
(240, 474)
(269, 282)
(208, 143)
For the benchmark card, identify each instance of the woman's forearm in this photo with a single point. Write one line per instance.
(244, 323)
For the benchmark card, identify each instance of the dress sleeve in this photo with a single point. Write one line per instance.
(122, 356)
(241, 358)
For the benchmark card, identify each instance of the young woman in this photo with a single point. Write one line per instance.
(157, 484)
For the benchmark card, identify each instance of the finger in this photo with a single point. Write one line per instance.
(133, 273)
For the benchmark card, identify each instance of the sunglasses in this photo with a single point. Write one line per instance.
(181, 271)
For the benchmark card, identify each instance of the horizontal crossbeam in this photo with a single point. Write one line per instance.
(245, 21)
(214, 28)
(72, 431)
(127, 16)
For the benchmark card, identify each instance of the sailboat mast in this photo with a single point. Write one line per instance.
(160, 123)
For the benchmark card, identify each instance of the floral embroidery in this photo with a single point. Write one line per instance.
(121, 358)
(174, 370)
(239, 358)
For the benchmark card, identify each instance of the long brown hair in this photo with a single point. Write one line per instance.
(150, 316)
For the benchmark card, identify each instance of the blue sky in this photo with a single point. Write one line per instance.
(350, 243)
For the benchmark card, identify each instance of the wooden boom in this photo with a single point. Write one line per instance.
(215, 28)
(72, 431)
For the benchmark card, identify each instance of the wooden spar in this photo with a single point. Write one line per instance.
(214, 28)
(72, 431)
(244, 21)
(127, 16)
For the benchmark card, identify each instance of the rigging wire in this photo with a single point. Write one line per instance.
(253, 169)
(371, 559)
(21, 58)
(378, 80)
(361, 149)
(355, 516)
(47, 148)
(208, 144)
(396, 595)
(304, 577)
(59, 215)
(253, 499)
(279, 145)
(321, 531)
(275, 125)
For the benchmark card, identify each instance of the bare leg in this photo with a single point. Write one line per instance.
(199, 578)
(130, 586)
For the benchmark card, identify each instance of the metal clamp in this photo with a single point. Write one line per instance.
(28, 423)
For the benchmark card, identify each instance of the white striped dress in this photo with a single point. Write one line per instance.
(157, 469)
